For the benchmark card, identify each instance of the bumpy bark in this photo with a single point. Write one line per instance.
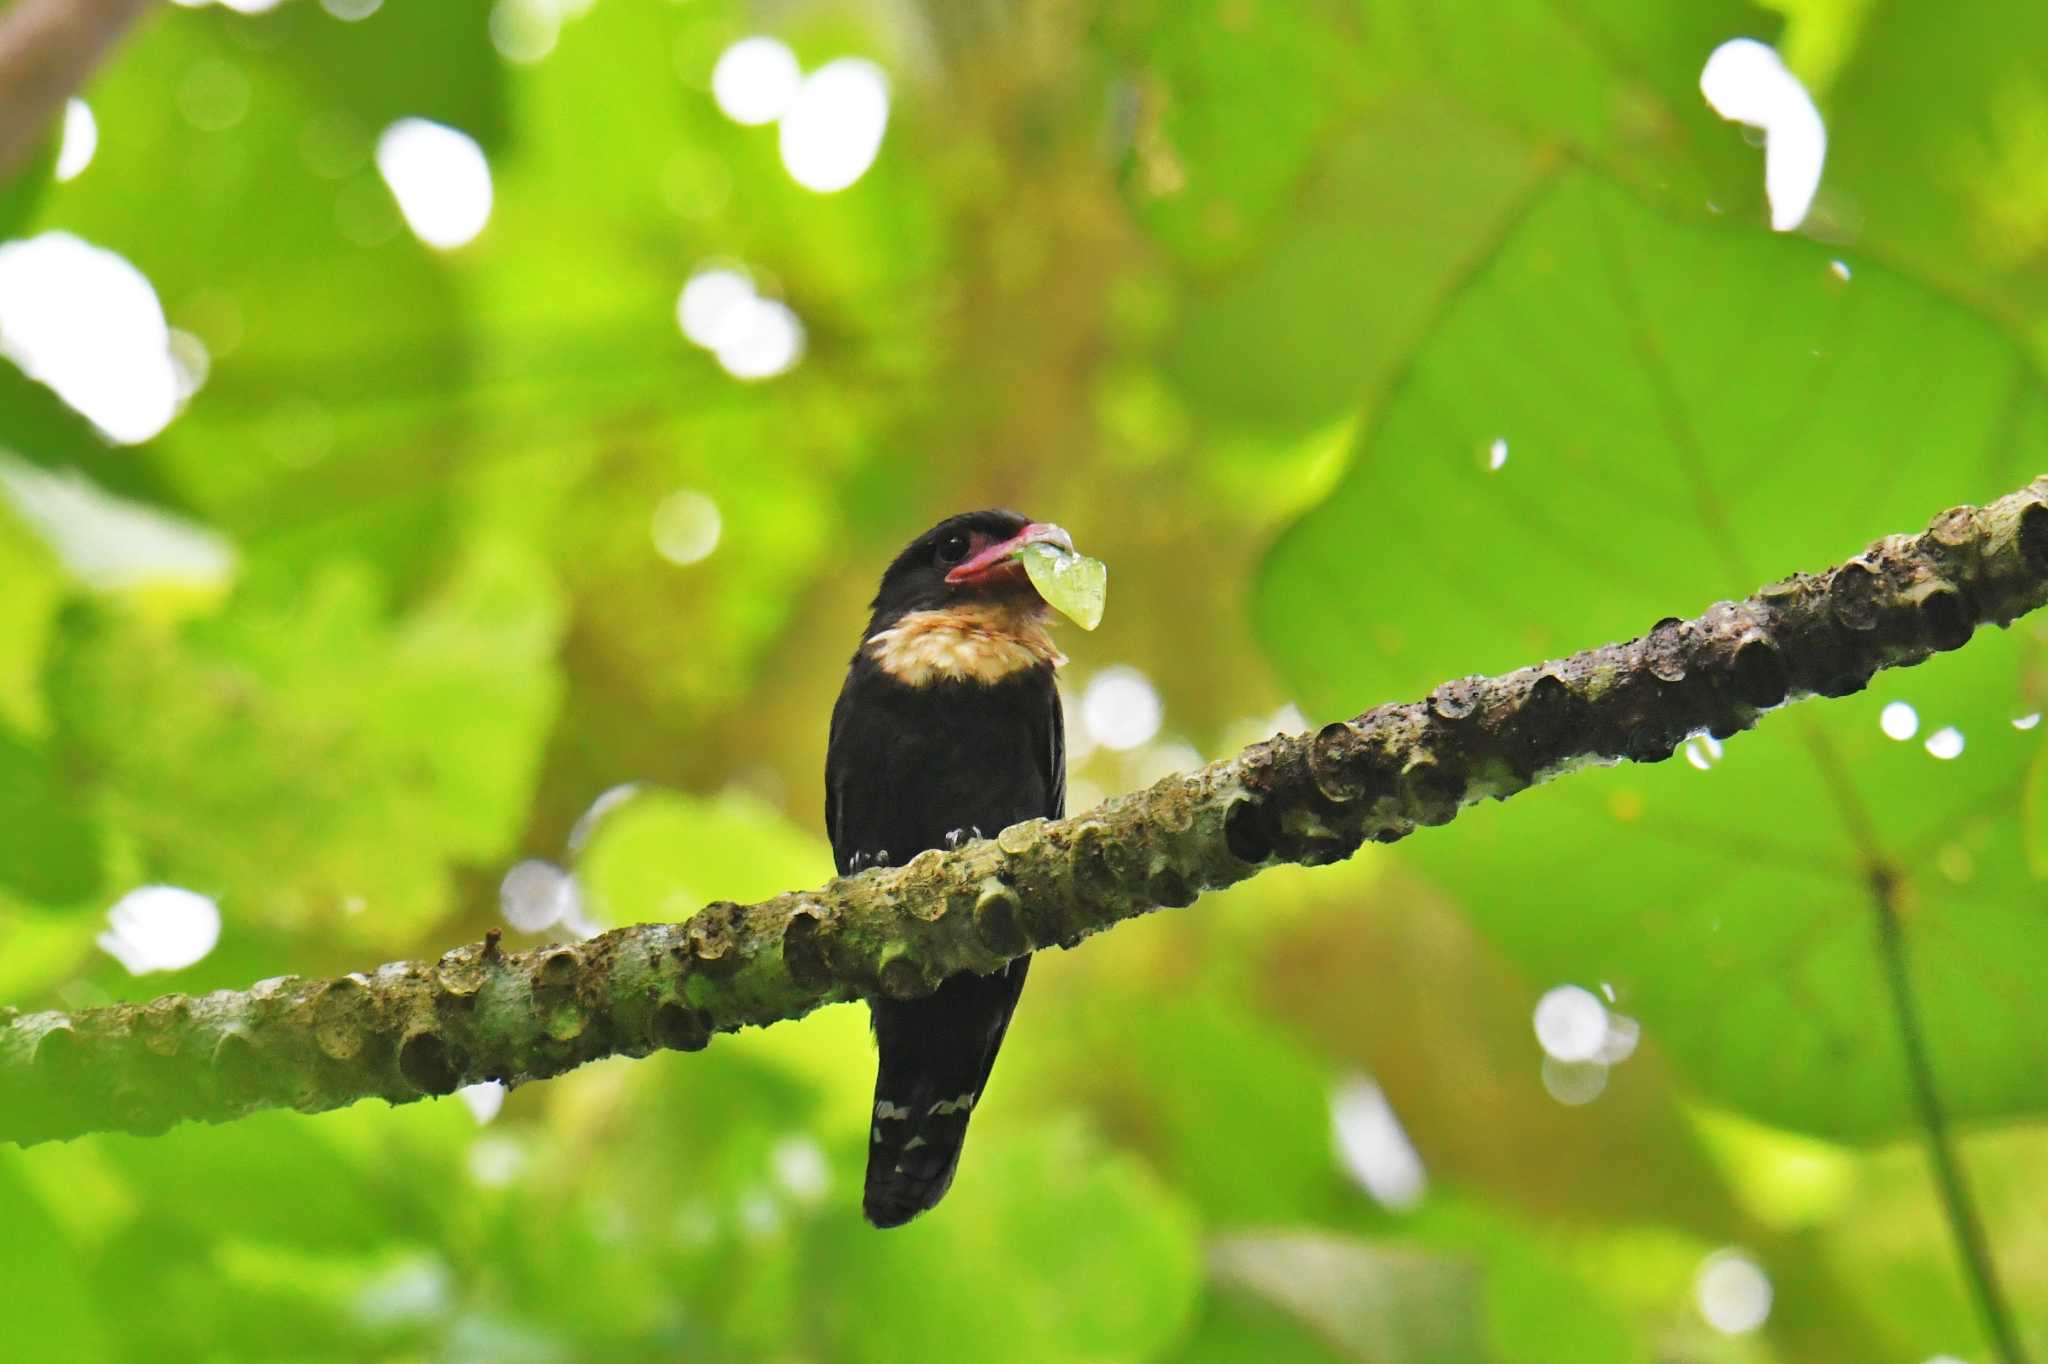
(412, 1029)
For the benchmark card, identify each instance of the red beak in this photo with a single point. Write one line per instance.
(999, 557)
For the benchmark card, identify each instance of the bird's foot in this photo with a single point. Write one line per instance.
(954, 839)
(862, 860)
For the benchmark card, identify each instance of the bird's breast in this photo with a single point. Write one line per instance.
(983, 643)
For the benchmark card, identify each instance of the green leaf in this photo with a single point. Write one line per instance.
(1953, 178)
(49, 847)
(1373, 1302)
(54, 1313)
(21, 193)
(28, 614)
(1205, 72)
(1048, 1248)
(1626, 417)
(663, 856)
(305, 759)
(1072, 584)
(1325, 311)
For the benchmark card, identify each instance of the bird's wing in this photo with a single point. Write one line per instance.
(1055, 750)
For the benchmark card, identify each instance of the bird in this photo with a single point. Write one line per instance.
(948, 728)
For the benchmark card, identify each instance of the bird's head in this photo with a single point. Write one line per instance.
(958, 605)
(967, 560)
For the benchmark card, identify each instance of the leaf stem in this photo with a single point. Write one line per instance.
(1956, 1200)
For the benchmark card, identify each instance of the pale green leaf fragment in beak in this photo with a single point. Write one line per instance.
(1072, 584)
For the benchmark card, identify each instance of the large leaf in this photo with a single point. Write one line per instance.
(1046, 1250)
(415, 743)
(1956, 183)
(1686, 411)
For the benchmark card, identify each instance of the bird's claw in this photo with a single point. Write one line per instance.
(957, 837)
(862, 860)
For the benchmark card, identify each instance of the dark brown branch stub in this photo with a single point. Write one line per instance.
(412, 1029)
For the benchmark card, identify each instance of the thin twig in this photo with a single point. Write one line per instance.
(47, 49)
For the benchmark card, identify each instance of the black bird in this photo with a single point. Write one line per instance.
(948, 729)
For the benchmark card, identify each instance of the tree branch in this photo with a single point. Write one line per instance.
(47, 49)
(412, 1029)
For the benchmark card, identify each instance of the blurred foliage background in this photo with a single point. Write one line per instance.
(380, 592)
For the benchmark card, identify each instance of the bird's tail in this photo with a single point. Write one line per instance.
(936, 1056)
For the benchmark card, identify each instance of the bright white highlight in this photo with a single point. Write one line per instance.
(1839, 269)
(160, 928)
(1120, 708)
(763, 340)
(608, 800)
(686, 527)
(800, 1169)
(1734, 1293)
(1623, 1035)
(1703, 751)
(108, 543)
(706, 301)
(752, 337)
(833, 131)
(83, 320)
(1497, 453)
(81, 138)
(439, 177)
(2027, 721)
(1373, 1148)
(484, 1100)
(1571, 1023)
(1899, 721)
(1946, 743)
(756, 81)
(535, 895)
(1744, 80)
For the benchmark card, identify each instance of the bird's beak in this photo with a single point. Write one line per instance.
(1001, 558)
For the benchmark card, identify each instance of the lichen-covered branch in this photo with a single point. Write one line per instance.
(412, 1029)
(47, 49)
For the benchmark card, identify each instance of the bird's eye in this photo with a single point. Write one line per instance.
(953, 548)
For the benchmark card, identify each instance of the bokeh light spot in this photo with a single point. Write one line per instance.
(1734, 1293)
(1899, 721)
(160, 928)
(83, 320)
(1570, 1023)
(440, 178)
(214, 96)
(1946, 743)
(1746, 81)
(833, 131)
(524, 32)
(686, 527)
(1121, 708)
(483, 1100)
(79, 140)
(801, 1169)
(756, 81)
(1574, 1083)
(1373, 1147)
(762, 338)
(534, 895)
